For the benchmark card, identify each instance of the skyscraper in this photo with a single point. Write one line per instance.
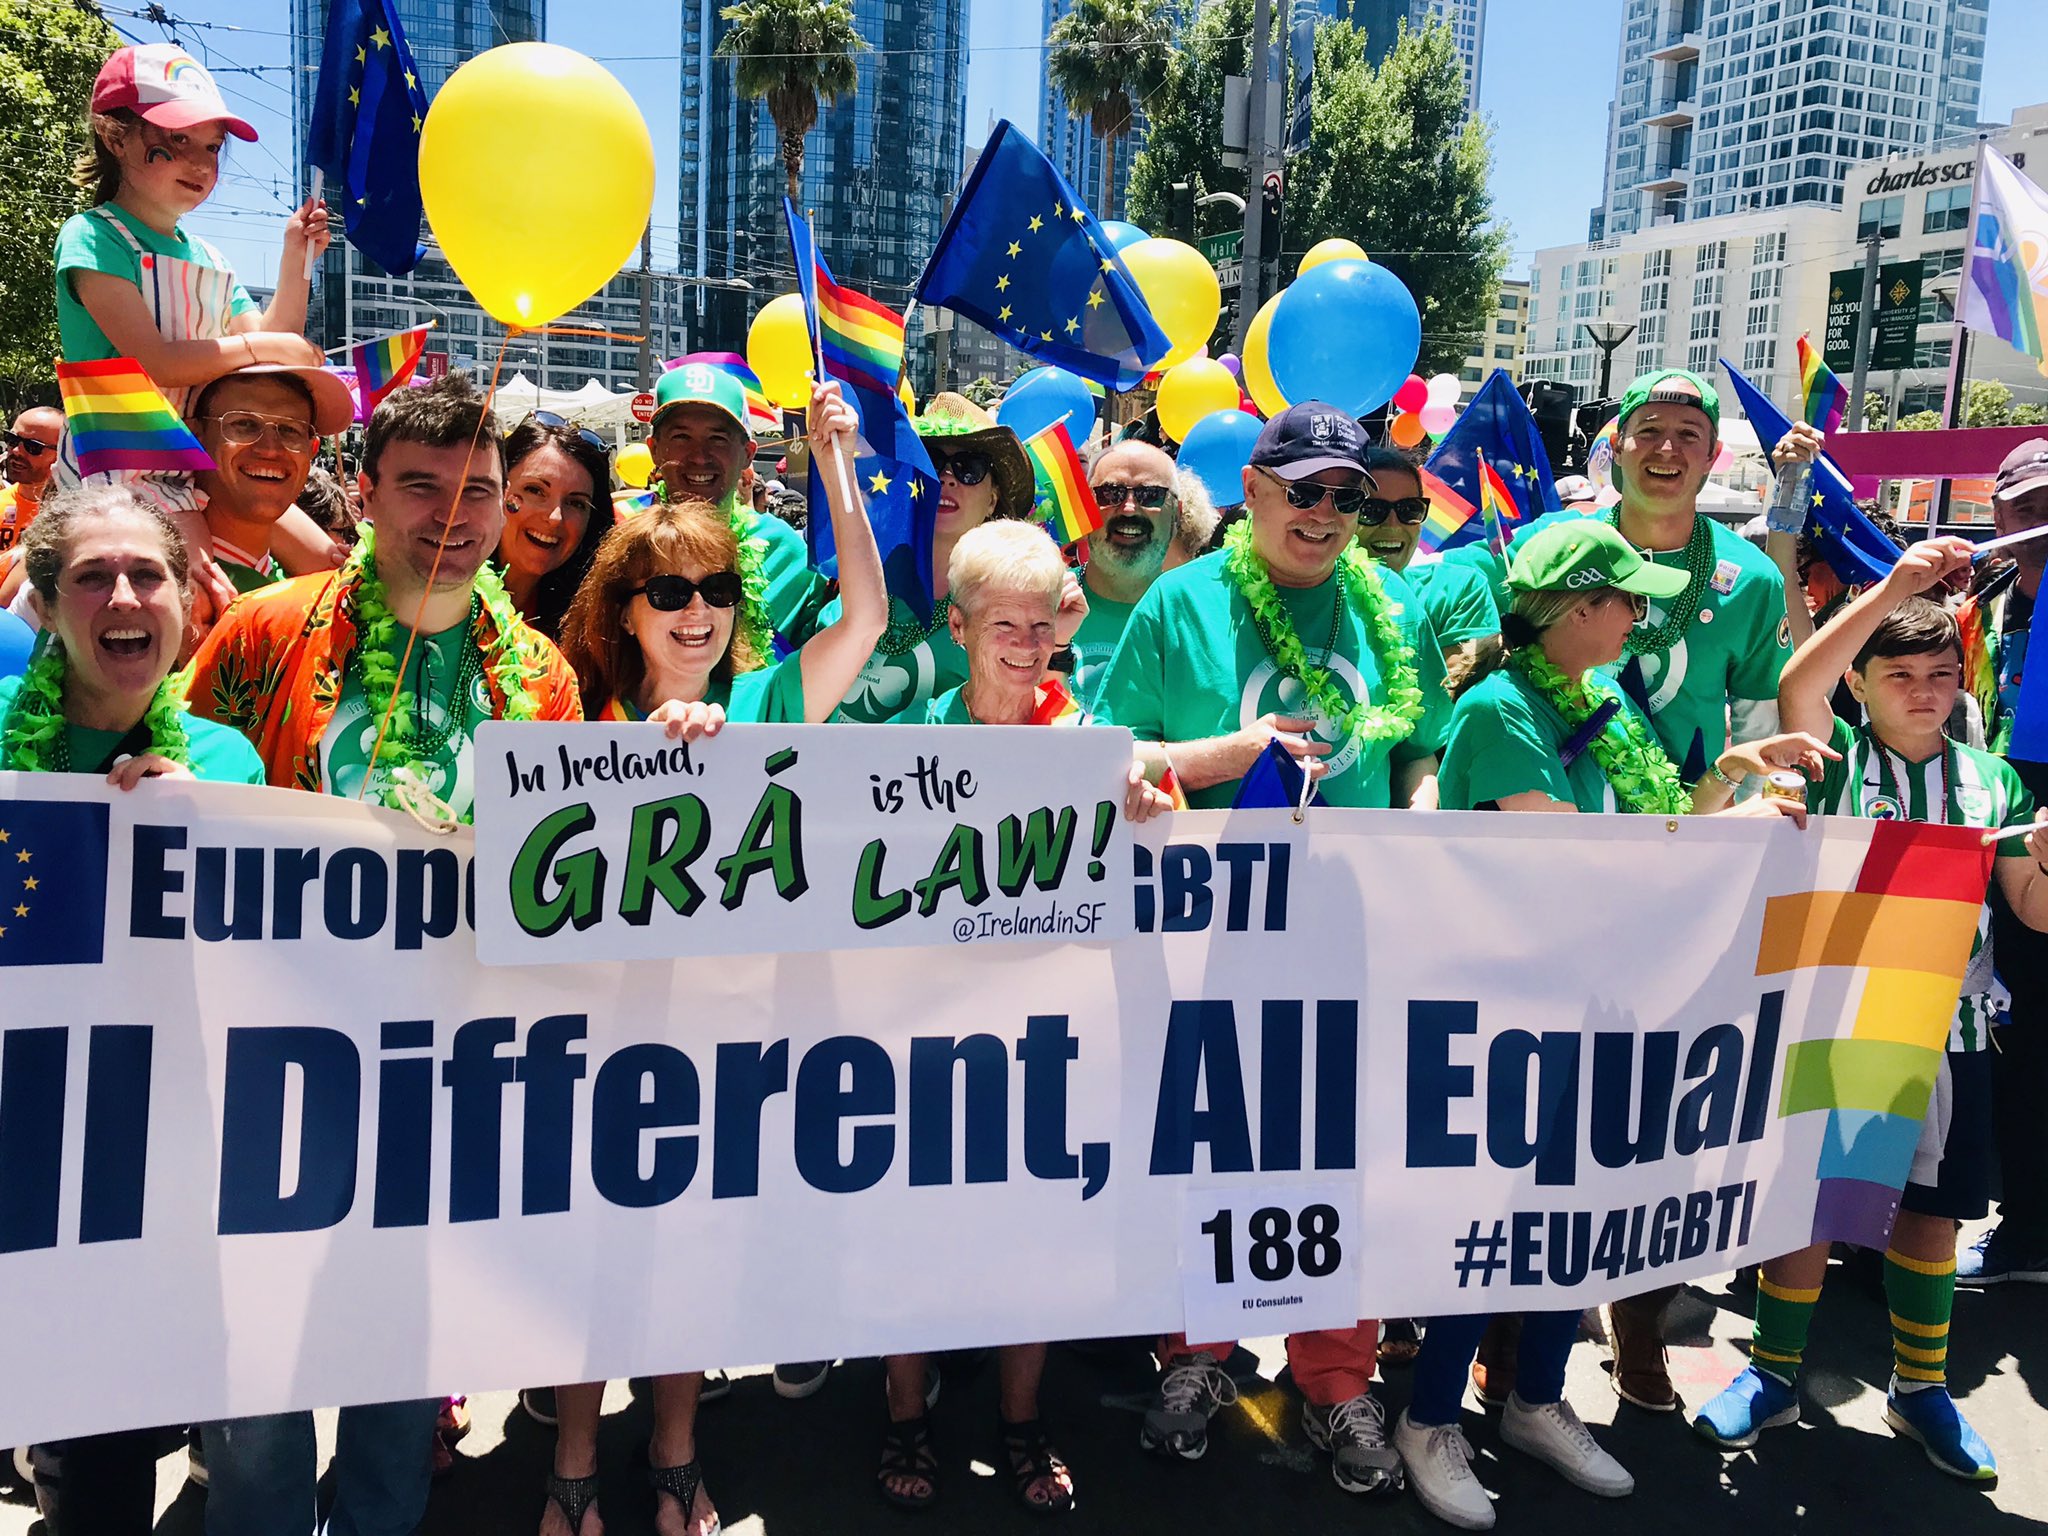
(1727, 105)
(1069, 142)
(880, 167)
(1380, 21)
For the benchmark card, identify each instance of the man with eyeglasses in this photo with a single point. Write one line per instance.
(1144, 499)
(261, 426)
(31, 455)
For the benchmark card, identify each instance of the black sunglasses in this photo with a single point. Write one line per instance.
(564, 424)
(672, 594)
(1150, 497)
(1307, 495)
(1409, 511)
(969, 468)
(28, 445)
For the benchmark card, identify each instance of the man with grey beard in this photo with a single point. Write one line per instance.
(1145, 500)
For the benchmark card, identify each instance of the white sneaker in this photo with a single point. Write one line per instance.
(1552, 1433)
(1439, 1462)
(24, 1469)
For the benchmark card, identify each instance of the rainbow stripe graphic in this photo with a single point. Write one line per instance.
(120, 420)
(862, 338)
(627, 500)
(1909, 923)
(1075, 514)
(1823, 397)
(2007, 288)
(386, 363)
(1497, 506)
(1056, 706)
(1448, 513)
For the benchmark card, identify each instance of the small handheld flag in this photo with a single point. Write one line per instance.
(386, 363)
(1496, 431)
(1823, 398)
(364, 134)
(1059, 471)
(1448, 514)
(2004, 291)
(120, 420)
(1497, 506)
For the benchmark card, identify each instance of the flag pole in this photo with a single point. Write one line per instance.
(319, 186)
(846, 489)
(1959, 346)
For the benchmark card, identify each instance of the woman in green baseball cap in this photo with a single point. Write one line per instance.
(1541, 730)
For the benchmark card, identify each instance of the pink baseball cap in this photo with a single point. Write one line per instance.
(166, 87)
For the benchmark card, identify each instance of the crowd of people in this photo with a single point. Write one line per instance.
(1632, 660)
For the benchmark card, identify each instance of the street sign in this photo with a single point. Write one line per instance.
(1217, 249)
(1230, 275)
(643, 407)
(1894, 330)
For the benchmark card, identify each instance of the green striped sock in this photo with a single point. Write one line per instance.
(1922, 1297)
(1782, 1317)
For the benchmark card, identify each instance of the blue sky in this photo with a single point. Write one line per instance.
(1549, 71)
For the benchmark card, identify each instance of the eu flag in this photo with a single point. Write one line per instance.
(1024, 257)
(1272, 783)
(365, 135)
(53, 882)
(860, 344)
(1854, 546)
(1496, 430)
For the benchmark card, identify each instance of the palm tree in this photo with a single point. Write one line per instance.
(1101, 55)
(795, 53)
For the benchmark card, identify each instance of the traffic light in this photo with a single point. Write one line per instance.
(1184, 210)
(1269, 220)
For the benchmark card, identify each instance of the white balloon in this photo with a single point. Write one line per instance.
(1443, 389)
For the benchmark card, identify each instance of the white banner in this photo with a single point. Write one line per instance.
(270, 1137)
(611, 842)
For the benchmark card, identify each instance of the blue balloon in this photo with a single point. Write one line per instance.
(1346, 332)
(1041, 397)
(1122, 234)
(1216, 452)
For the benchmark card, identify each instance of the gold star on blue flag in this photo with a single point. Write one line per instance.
(368, 111)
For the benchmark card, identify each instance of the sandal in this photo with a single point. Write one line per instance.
(681, 1484)
(573, 1496)
(1033, 1461)
(907, 1453)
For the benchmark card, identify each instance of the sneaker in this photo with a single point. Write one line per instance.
(1552, 1433)
(802, 1378)
(716, 1385)
(1994, 1259)
(1750, 1404)
(1355, 1435)
(1190, 1391)
(539, 1403)
(1931, 1417)
(24, 1469)
(195, 1457)
(1439, 1462)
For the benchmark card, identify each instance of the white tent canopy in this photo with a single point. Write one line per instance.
(592, 406)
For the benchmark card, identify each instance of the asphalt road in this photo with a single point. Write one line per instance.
(795, 1468)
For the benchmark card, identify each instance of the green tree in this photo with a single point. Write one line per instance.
(1876, 411)
(1184, 121)
(50, 50)
(795, 53)
(1986, 403)
(2029, 415)
(984, 392)
(1104, 56)
(1920, 421)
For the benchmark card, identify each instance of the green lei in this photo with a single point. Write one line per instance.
(1363, 721)
(34, 741)
(752, 626)
(1643, 779)
(378, 648)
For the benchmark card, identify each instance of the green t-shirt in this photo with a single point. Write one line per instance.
(1192, 666)
(437, 660)
(1506, 739)
(1734, 648)
(1457, 598)
(770, 695)
(1095, 641)
(896, 686)
(85, 243)
(215, 752)
(795, 591)
(949, 708)
(1968, 788)
(247, 578)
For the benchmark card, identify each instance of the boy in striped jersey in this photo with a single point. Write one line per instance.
(1903, 656)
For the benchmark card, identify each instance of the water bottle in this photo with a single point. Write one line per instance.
(1791, 500)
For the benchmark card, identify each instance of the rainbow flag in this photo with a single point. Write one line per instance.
(1059, 471)
(120, 420)
(1823, 398)
(762, 416)
(1056, 706)
(861, 338)
(626, 501)
(1497, 506)
(1448, 512)
(2005, 287)
(386, 363)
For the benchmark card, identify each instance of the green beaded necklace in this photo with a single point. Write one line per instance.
(1654, 640)
(905, 635)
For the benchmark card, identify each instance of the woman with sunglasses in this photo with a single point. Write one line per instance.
(662, 631)
(1543, 731)
(983, 474)
(1458, 600)
(558, 483)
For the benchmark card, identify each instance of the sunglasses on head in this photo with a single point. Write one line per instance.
(1408, 510)
(564, 424)
(1150, 497)
(968, 468)
(28, 445)
(1307, 495)
(672, 594)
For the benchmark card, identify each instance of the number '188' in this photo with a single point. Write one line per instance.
(1271, 1256)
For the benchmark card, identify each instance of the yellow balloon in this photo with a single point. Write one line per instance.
(779, 351)
(527, 121)
(1336, 249)
(1258, 370)
(1182, 291)
(636, 464)
(1199, 387)
(909, 400)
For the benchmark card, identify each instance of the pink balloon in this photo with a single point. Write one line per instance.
(1413, 395)
(1724, 460)
(1437, 419)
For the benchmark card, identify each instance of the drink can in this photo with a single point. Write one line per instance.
(1785, 784)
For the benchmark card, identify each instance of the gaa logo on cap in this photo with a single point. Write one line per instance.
(1588, 576)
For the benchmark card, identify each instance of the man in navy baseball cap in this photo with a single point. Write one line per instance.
(1309, 439)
